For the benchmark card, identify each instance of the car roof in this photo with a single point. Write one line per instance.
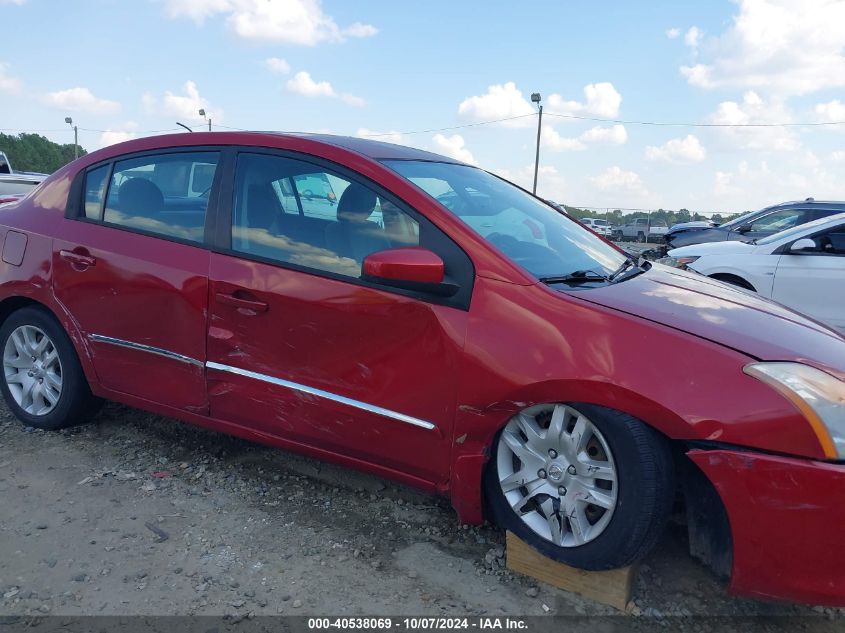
(374, 150)
(808, 202)
(377, 150)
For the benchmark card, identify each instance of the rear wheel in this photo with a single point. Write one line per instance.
(641, 237)
(43, 382)
(584, 485)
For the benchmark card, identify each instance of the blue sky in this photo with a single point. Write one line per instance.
(124, 69)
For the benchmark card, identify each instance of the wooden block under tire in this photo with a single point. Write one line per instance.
(612, 587)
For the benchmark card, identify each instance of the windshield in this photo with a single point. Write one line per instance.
(741, 219)
(531, 233)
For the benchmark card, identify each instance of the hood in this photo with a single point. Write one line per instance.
(713, 248)
(741, 320)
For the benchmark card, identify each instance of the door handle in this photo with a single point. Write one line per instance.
(241, 302)
(78, 260)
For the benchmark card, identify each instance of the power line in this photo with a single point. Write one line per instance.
(681, 124)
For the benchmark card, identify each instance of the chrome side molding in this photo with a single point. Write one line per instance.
(99, 338)
(371, 408)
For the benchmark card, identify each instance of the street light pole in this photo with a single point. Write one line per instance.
(69, 121)
(202, 114)
(535, 98)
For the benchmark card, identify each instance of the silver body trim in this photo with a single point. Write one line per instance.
(371, 408)
(99, 338)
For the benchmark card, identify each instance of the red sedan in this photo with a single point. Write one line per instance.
(415, 317)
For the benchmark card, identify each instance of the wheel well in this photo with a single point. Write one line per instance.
(735, 280)
(697, 500)
(707, 523)
(13, 304)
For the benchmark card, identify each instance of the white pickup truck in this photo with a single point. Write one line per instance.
(641, 230)
(15, 184)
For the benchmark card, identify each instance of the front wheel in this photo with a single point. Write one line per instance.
(43, 382)
(587, 486)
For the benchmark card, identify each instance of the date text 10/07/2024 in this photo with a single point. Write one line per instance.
(417, 624)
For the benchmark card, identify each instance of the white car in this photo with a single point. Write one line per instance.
(598, 225)
(802, 267)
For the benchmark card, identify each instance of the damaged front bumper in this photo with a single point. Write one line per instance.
(787, 517)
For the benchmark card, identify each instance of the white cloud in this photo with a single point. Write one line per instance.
(17, 2)
(838, 156)
(8, 84)
(454, 147)
(693, 37)
(501, 101)
(600, 99)
(613, 135)
(80, 100)
(754, 110)
(830, 112)
(391, 136)
(673, 33)
(277, 65)
(357, 102)
(550, 184)
(125, 132)
(300, 22)
(184, 106)
(303, 84)
(786, 47)
(751, 186)
(678, 150)
(620, 181)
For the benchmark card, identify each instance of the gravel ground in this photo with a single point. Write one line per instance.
(139, 514)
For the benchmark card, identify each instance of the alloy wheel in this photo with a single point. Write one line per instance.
(558, 474)
(33, 370)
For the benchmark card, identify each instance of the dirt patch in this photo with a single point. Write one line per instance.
(139, 514)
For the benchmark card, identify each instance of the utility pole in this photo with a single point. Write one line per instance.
(69, 121)
(202, 114)
(535, 98)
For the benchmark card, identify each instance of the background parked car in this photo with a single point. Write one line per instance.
(642, 230)
(802, 267)
(597, 224)
(13, 183)
(756, 224)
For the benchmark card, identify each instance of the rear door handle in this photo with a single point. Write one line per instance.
(242, 302)
(78, 260)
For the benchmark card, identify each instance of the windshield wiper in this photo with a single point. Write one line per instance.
(618, 275)
(622, 268)
(576, 277)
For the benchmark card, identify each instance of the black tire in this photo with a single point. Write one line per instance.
(641, 238)
(75, 403)
(645, 472)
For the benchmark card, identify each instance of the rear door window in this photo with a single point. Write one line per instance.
(165, 194)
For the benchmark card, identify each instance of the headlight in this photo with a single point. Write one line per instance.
(677, 262)
(818, 396)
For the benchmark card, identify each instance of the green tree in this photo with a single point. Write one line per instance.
(33, 152)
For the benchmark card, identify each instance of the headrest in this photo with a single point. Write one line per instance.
(356, 204)
(139, 196)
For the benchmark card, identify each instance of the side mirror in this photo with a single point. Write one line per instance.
(803, 245)
(413, 268)
(743, 229)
